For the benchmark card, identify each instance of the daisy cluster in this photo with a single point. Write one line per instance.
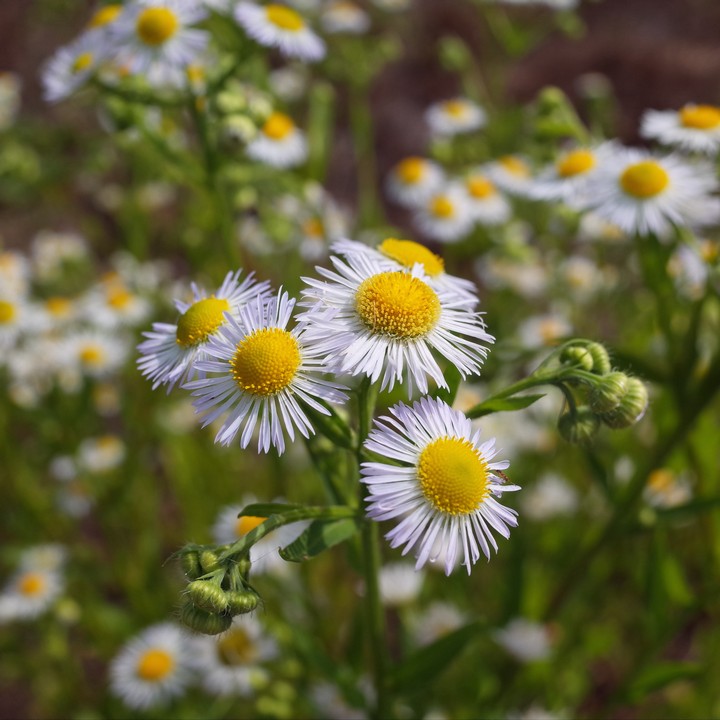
(60, 329)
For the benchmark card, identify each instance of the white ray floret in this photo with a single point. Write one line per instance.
(445, 215)
(454, 116)
(71, 67)
(279, 143)
(693, 128)
(486, 204)
(443, 491)
(413, 180)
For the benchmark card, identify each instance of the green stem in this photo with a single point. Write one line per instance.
(361, 125)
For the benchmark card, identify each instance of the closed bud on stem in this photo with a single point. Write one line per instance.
(631, 408)
(240, 602)
(191, 565)
(601, 359)
(207, 595)
(579, 427)
(208, 561)
(608, 392)
(204, 622)
(577, 356)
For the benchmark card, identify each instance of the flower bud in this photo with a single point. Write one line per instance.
(204, 622)
(578, 356)
(191, 565)
(601, 359)
(206, 595)
(240, 602)
(208, 561)
(578, 427)
(631, 408)
(608, 392)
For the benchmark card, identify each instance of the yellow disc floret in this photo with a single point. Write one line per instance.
(644, 180)
(441, 206)
(700, 117)
(236, 648)
(200, 321)
(515, 166)
(119, 297)
(575, 163)
(246, 523)
(8, 312)
(266, 361)
(82, 62)
(453, 475)
(105, 15)
(397, 305)
(156, 25)
(411, 170)
(278, 126)
(479, 187)
(407, 253)
(58, 306)
(31, 584)
(92, 355)
(284, 17)
(455, 108)
(155, 665)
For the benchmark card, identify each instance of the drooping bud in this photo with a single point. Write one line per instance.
(208, 561)
(240, 602)
(208, 596)
(577, 356)
(631, 408)
(204, 622)
(579, 427)
(601, 359)
(608, 392)
(191, 565)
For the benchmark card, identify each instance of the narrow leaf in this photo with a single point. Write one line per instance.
(502, 405)
(265, 510)
(320, 536)
(662, 675)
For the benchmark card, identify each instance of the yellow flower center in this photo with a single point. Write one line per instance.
(92, 355)
(549, 330)
(156, 25)
(398, 305)
(515, 166)
(314, 228)
(453, 475)
(246, 523)
(709, 251)
(661, 480)
(411, 170)
(105, 15)
(119, 298)
(82, 62)
(284, 17)
(266, 361)
(32, 584)
(58, 306)
(407, 253)
(200, 321)
(195, 73)
(575, 163)
(479, 187)
(700, 117)
(442, 207)
(155, 665)
(645, 179)
(236, 648)
(278, 126)
(455, 108)
(7, 312)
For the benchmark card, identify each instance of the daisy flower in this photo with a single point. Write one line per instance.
(551, 496)
(232, 663)
(280, 143)
(154, 38)
(111, 305)
(97, 354)
(543, 330)
(436, 621)
(486, 205)
(455, 116)
(104, 16)
(445, 215)
(385, 323)
(413, 179)
(152, 668)
(567, 178)
(645, 194)
(443, 492)
(259, 372)
(404, 255)
(170, 351)
(31, 591)
(101, 454)
(511, 173)
(13, 312)
(694, 128)
(525, 640)
(279, 26)
(343, 16)
(666, 489)
(400, 584)
(71, 67)
(15, 274)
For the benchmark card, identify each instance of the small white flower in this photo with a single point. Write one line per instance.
(543, 330)
(30, 591)
(455, 116)
(486, 205)
(343, 16)
(53, 251)
(276, 25)
(438, 620)
(15, 274)
(693, 128)
(101, 454)
(525, 640)
(96, 354)
(400, 584)
(413, 180)
(50, 556)
(551, 496)
(566, 179)
(667, 489)
(442, 492)
(71, 67)
(445, 215)
(13, 321)
(279, 143)
(512, 174)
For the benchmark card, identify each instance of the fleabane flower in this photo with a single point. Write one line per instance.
(13, 315)
(259, 372)
(343, 16)
(279, 143)
(30, 592)
(155, 38)
(276, 25)
(694, 128)
(443, 491)
(486, 204)
(566, 179)
(170, 351)
(385, 324)
(454, 116)
(413, 179)
(645, 194)
(152, 668)
(511, 173)
(71, 67)
(445, 215)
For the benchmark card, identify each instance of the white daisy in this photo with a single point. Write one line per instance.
(276, 25)
(511, 173)
(397, 254)
(232, 663)
(436, 621)
(543, 330)
(152, 668)
(154, 38)
(551, 496)
(279, 143)
(667, 489)
(101, 454)
(486, 205)
(694, 128)
(385, 323)
(169, 353)
(445, 215)
(645, 194)
(13, 316)
(30, 592)
(71, 67)
(54, 314)
(97, 354)
(413, 179)
(259, 374)
(525, 640)
(443, 491)
(49, 556)
(455, 116)
(343, 16)
(400, 584)
(111, 305)
(15, 274)
(53, 252)
(566, 180)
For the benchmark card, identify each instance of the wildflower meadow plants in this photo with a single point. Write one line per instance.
(343, 431)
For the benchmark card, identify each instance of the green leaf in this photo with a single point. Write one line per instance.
(264, 510)
(424, 666)
(503, 405)
(662, 675)
(320, 536)
(453, 379)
